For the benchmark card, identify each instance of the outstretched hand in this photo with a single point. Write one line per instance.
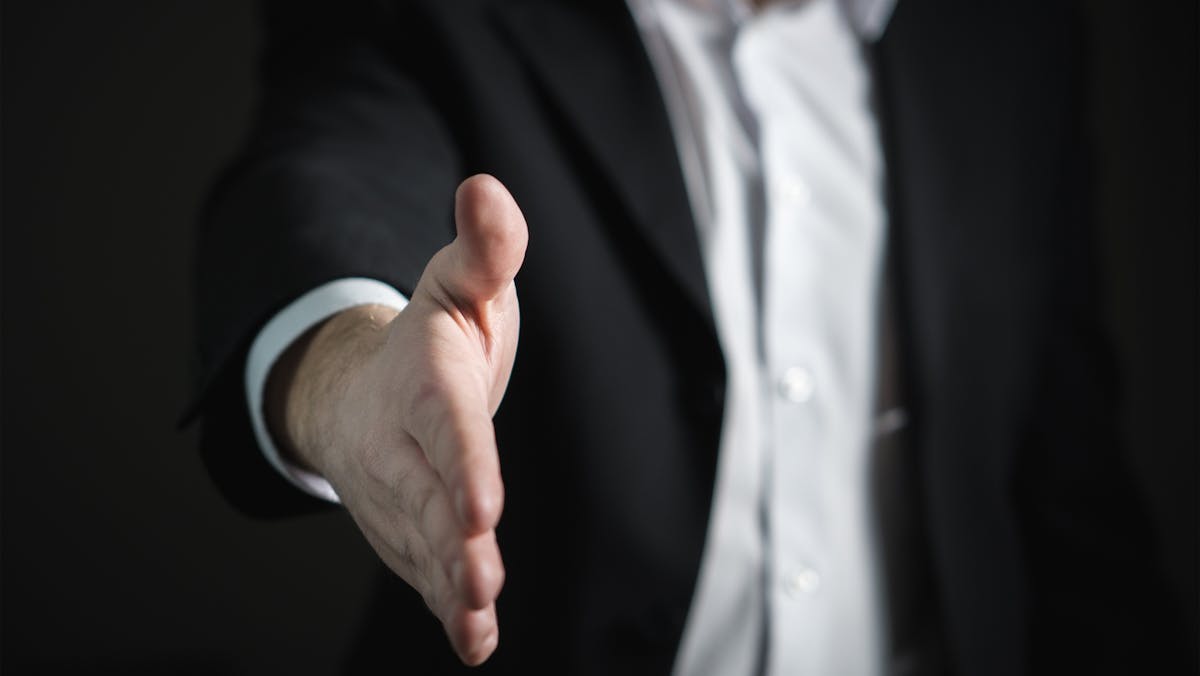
(395, 410)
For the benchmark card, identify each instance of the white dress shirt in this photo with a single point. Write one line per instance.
(777, 138)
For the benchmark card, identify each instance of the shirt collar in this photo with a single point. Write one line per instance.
(867, 18)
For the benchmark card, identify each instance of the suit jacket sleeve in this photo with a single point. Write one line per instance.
(348, 172)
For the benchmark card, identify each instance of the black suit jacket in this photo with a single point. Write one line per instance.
(371, 113)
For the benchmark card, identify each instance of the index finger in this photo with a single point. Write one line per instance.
(458, 438)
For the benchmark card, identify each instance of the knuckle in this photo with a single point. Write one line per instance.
(446, 448)
(400, 477)
(374, 456)
(427, 393)
(426, 411)
(414, 566)
(402, 557)
(421, 510)
(407, 555)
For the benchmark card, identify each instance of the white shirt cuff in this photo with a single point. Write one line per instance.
(284, 328)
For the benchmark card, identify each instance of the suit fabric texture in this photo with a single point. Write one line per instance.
(371, 113)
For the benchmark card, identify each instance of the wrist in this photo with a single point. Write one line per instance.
(314, 377)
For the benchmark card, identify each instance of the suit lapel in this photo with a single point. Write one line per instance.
(589, 58)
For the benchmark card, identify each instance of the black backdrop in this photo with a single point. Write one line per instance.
(116, 553)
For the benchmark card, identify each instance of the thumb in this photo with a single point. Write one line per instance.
(490, 247)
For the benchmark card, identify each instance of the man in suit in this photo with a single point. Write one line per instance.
(1010, 540)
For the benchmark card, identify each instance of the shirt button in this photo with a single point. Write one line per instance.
(796, 385)
(802, 581)
(795, 190)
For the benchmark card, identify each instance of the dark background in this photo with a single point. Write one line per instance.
(116, 552)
